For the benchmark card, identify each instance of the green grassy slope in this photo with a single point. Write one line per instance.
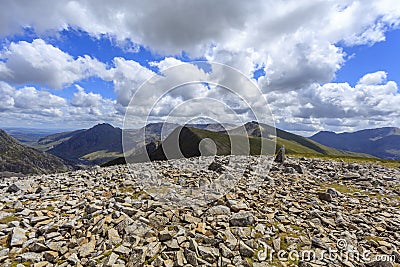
(294, 144)
(294, 148)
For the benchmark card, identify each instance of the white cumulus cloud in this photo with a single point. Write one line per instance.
(296, 43)
(44, 64)
(372, 102)
(83, 99)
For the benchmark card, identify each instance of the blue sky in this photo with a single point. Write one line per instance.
(320, 65)
(371, 58)
(361, 59)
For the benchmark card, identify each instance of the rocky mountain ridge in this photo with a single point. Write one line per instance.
(103, 142)
(16, 158)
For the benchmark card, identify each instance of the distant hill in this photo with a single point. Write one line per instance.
(98, 144)
(103, 142)
(156, 132)
(17, 158)
(381, 142)
(295, 144)
(151, 132)
(50, 141)
(189, 139)
(28, 136)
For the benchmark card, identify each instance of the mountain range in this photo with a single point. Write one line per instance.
(102, 144)
(381, 142)
(252, 138)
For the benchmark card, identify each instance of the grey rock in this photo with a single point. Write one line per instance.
(92, 209)
(219, 210)
(138, 255)
(245, 250)
(88, 248)
(40, 189)
(4, 252)
(333, 192)
(230, 239)
(237, 205)
(13, 188)
(318, 243)
(165, 235)
(193, 246)
(158, 262)
(180, 258)
(217, 167)
(35, 220)
(38, 247)
(112, 259)
(153, 249)
(113, 236)
(122, 250)
(58, 246)
(17, 237)
(225, 251)
(207, 253)
(50, 256)
(224, 262)
(73, 258)
(325, 196)
(129, 211)
(99, 211)
(280, 156)
(133, 228)
(191, 219)
(191, 257)
(242, 218)
(289, 170)
(351, 176)
(296, 167)
(30, 256)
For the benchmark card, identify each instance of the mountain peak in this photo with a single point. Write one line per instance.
(328, 133)
(252, 123)
(102, 137)
(103, 125)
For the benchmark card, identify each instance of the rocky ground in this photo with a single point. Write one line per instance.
(314, 211)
